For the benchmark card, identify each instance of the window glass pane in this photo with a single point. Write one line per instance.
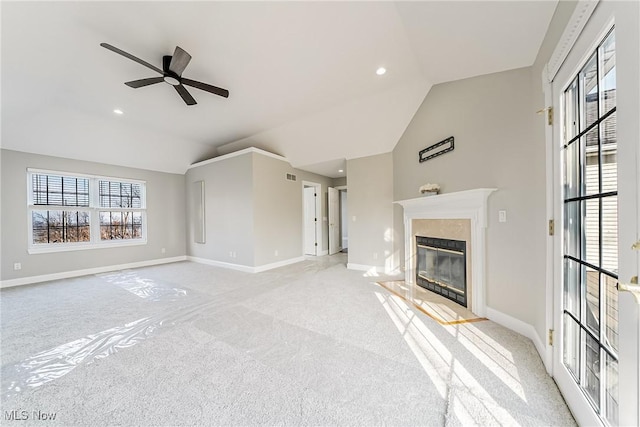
(591, 162)
(610, 234)
(610, 311)
(607, 55)
(592, 289)
(571, 287)
(588, 93)
(59, 190)
(571, 348)
(40, 226)
(54, 190)
(120, 225)
(571, 171)
(571, 111)
(611, 392)
(136, 192)
(609, 154)
(60, 226)
(105, 225)
(591, 231)
(572, 229)
(592, 370)
(115, 194)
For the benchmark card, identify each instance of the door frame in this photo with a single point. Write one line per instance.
(331, 210)
(343, 189)
(318, 189)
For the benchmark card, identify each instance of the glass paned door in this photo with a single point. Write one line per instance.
(590, 210)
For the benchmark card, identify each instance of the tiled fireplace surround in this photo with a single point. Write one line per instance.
(460, 215)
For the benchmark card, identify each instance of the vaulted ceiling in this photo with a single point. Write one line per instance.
(301, 75)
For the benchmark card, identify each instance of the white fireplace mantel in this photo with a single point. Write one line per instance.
(468, 204)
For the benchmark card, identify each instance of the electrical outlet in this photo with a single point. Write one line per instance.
(502, 216)
(375, 255)
(17, 266)
(276, 252)
(163, 250)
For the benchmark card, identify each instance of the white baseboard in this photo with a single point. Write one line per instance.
(245, 268)
(373, 269)
(76, 273)
(214, 263)
(278, 264)
(522, 328)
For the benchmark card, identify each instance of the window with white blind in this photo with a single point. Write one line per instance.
(73, 211)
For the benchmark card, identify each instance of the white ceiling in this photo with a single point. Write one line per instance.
(301, 75)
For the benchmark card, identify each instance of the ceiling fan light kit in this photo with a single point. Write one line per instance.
(172, 68)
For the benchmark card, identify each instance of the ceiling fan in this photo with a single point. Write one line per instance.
(172, 68)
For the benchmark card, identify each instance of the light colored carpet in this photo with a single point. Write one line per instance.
(308, 344)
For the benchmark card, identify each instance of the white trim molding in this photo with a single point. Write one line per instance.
(468, 204)
(578, 20)
(238, 153)
(85, 272)
(372, 269)
(245, 268)
(518, 326)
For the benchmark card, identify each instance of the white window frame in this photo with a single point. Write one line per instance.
(94, 210)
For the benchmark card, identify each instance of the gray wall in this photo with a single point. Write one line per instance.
(277, 211)
(228, 210)
(339, 182)
(371, 235)
(492, 120)
(252, 209)
(165, 218)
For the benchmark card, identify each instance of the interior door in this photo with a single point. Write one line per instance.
(309, 212)
(333, 207)
(596, 353)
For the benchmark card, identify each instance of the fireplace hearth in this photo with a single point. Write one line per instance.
(441, 267)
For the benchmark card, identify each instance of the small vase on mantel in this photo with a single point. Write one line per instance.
(429, 189)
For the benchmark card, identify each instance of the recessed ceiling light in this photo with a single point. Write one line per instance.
(380, 71)
(340, 170)
(118, 111)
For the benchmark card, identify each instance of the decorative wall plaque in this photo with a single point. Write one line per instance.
(436, 150)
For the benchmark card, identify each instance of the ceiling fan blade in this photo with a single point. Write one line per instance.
(179, 61)
(186, 96)
(206, 87)
(144, 82)
(131, 57)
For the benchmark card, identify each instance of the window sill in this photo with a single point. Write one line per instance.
(67, 247)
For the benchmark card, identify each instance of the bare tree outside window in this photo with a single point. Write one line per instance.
(126, 222)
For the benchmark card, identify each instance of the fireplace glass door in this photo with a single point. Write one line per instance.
(441, 267)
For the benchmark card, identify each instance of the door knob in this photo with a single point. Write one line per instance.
(632, 287)
(636, 246)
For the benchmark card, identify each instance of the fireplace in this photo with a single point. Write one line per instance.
(441, 267)
(443, 216)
